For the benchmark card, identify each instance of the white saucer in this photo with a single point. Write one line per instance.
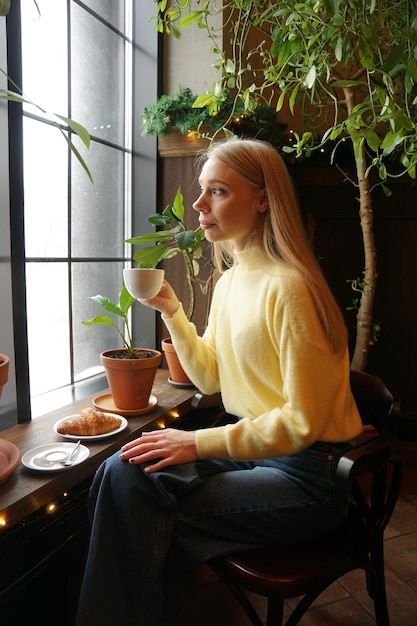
(189, 385)
(46, 458)
(106, 403)
(90, 437)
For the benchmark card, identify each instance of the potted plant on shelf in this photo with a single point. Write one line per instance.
(185, 123)
(4, 371)
(165, 244)
(130, 371)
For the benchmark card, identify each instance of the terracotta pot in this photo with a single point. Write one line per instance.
(176, 372)
(4, 371)
(131, 380)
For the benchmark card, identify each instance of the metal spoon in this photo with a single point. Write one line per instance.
(70, 459)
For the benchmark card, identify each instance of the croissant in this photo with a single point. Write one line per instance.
(88, 423)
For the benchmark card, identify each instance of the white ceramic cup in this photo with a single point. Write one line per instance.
(143, 282)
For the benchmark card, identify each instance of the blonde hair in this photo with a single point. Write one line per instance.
(280, 233)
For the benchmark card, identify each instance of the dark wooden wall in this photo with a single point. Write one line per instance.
(332, 209)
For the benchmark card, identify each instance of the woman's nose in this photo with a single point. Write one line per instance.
(199, 204)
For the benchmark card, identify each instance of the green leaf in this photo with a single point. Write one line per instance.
(151, 256)
(293, 98)
(147, 238)
(190, 18)
(161, 219)
(338, 51)
(100, 319)
(78, 129)
(372, 139)
(186, 239)
(203, 100)
(125, 300)
(178, 206)
(108, 305)
(310, 79)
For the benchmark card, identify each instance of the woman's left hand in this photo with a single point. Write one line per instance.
(161, 448)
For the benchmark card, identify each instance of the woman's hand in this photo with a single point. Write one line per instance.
(165, 301)
(161, 448)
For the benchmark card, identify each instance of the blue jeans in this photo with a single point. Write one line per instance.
(147, 527)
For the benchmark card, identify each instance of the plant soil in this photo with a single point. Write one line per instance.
(139, 354)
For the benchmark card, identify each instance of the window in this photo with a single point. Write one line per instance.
(83, 60)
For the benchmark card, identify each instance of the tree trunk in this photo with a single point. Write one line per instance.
(364, 316)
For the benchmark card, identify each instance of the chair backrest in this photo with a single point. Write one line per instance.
(377, 458)
(372, 398)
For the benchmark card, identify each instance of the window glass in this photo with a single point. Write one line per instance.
(74, 229)
(90, 279)
(97, 220)
(44, 49)
(45, 163)
(48, 326)
(97, 65)
(110, 10)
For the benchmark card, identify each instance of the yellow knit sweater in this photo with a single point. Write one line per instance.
(265, 350)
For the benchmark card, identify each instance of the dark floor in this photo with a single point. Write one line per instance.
(346, 602)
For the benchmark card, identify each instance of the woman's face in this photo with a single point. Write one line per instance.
(228, 207)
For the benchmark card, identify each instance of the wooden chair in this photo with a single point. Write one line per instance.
(306, 570)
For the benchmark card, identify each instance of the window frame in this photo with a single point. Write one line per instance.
(142, 191)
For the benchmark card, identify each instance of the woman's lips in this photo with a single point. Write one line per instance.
(206, 225)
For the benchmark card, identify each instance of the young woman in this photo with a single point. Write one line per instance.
(275, 346)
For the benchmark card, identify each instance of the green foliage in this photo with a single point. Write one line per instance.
(75, 127)
(4, 7)
(172, 112)
(349, 67)
(154, 247)
(209, 113)
(322, 55)
(174, 239)
(121, 310)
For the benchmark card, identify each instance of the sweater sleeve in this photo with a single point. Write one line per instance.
(197, 355)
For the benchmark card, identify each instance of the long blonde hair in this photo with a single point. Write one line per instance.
(280, 233)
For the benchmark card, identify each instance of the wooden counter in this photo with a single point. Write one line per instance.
(27, 491)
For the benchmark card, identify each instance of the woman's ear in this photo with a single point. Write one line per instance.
(262, 203)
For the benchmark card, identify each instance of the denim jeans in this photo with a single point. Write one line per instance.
(146, 528)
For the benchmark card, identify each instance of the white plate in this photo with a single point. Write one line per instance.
(46, 458)
(91, 437)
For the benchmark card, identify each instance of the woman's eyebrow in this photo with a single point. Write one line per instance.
(212, 181)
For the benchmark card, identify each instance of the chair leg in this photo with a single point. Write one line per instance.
(376, 585)
(240, 596)
(275, 612)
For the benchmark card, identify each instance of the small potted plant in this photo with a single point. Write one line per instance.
(130, 371)
(175, 238)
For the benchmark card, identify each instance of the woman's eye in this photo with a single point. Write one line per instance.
(217, 191)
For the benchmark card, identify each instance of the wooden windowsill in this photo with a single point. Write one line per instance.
(27, 491)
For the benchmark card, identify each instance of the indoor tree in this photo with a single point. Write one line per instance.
(348, 66)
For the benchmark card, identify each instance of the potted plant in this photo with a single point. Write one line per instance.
(348, 68)
(183, 122)
(130, 371)
(174, 238)
(4, 371)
